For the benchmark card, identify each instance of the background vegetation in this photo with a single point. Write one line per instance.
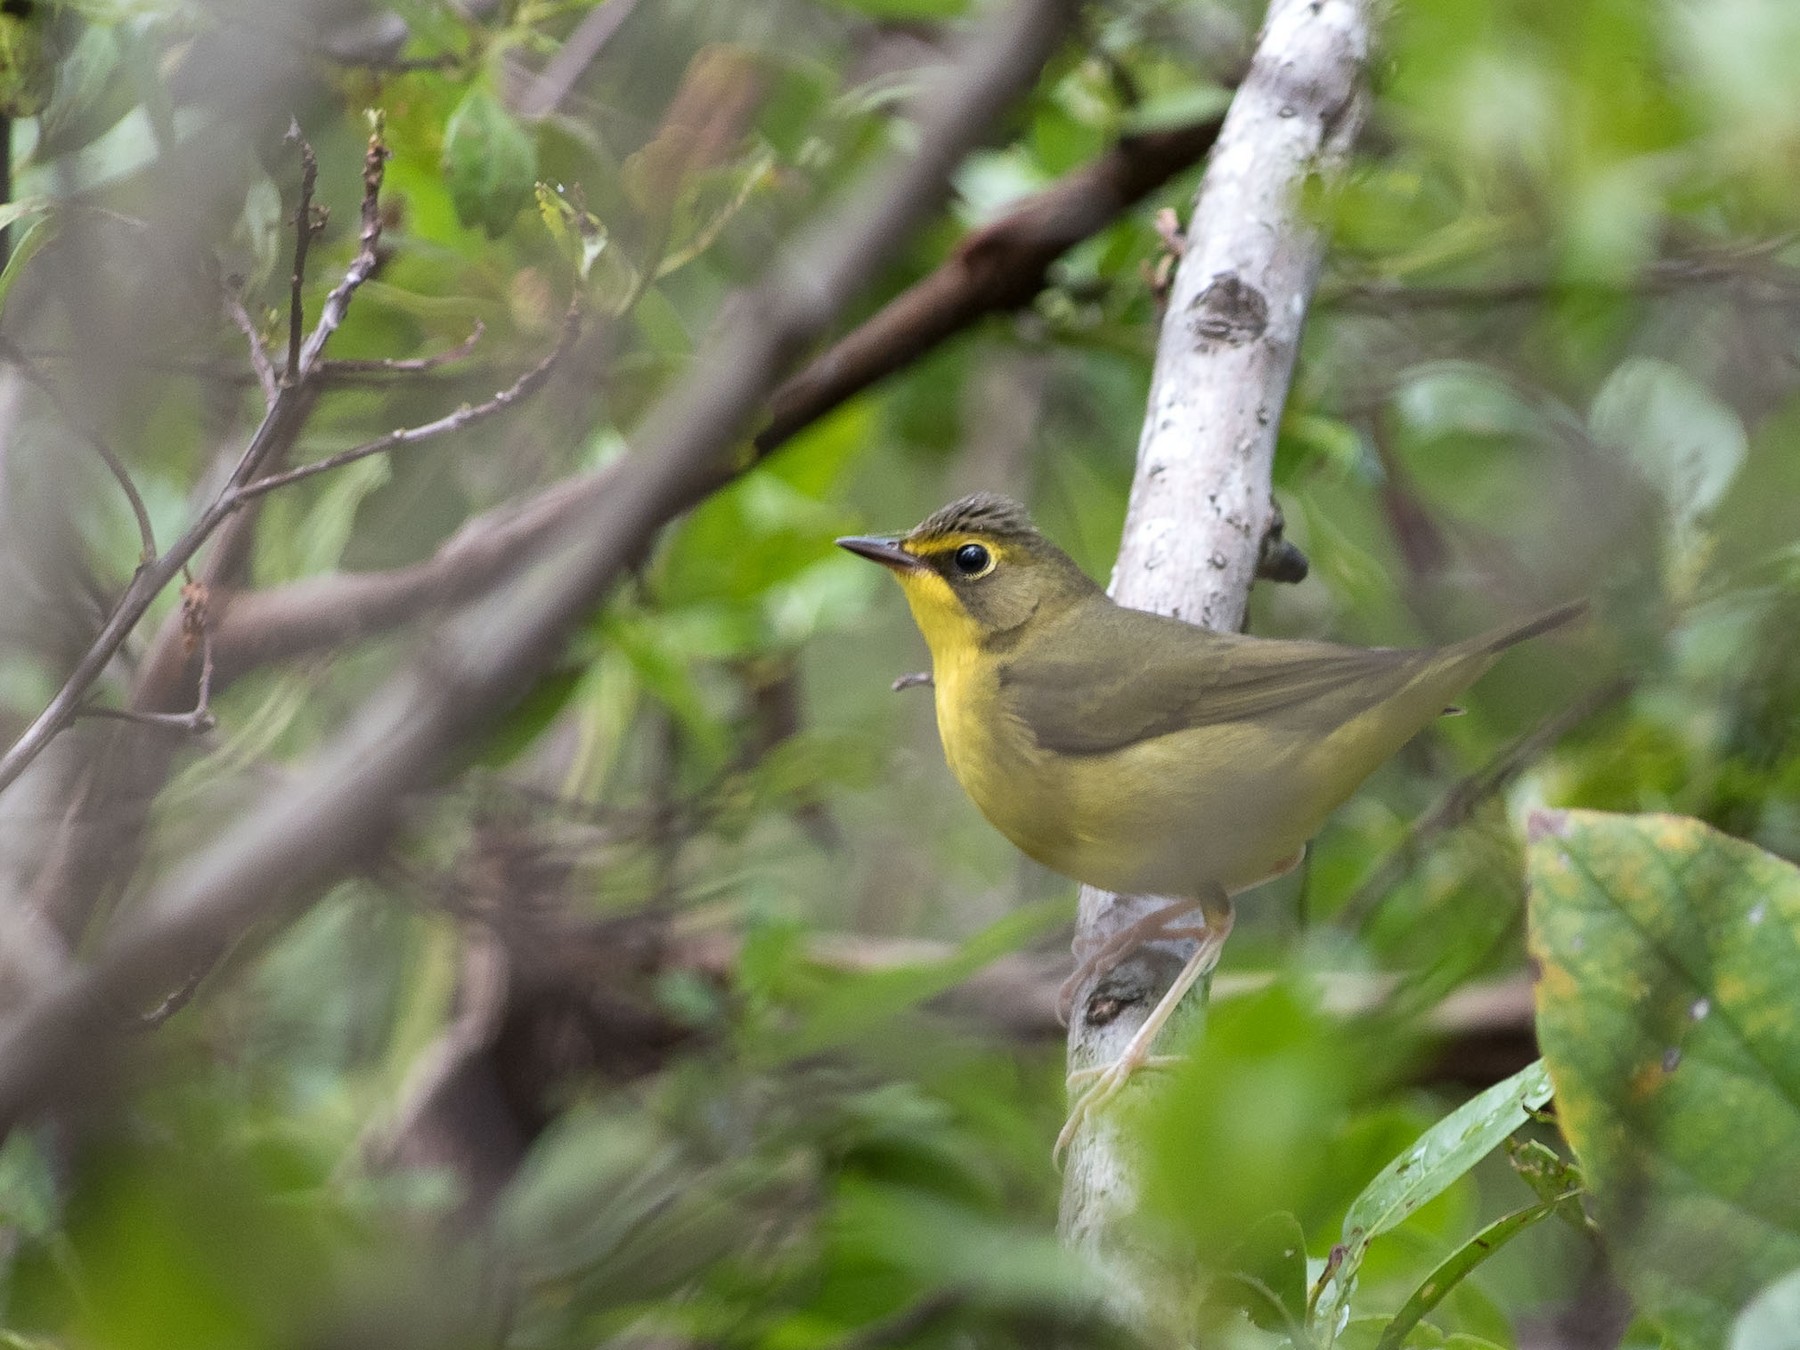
(655, 1025)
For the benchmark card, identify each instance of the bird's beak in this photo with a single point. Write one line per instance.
(887, 552)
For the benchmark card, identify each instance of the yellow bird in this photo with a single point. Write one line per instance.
(1138, 753)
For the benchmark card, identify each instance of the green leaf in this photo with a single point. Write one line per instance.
(1669, 958)
(1443, 1154)
(490, 162)
(25, 248)
(1453, 1269)
(1266, 1275)
(1771, 1321)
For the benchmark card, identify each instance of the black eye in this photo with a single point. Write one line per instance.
(970, 559)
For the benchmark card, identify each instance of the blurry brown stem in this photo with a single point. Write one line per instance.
(907, 1325)
(199, 719)
(584, 43)
(1458, 804)
(1743, 262)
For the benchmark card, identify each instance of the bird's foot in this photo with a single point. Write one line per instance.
(1162, 923)
(1104, 1083)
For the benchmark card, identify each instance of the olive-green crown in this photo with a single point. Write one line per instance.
(980, 513)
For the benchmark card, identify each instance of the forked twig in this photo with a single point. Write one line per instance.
(465, 416)
(196, 624)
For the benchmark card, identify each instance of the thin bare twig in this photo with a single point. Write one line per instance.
(114, 465)
(362, 267)
(259, 350)
(1458, 803)
(198, 624)
(1001, 266)
(465, 416)
(276, 431)
(409, 365)
(304, 229)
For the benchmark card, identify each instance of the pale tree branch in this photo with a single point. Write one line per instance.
(1200, 502)
(274, 857)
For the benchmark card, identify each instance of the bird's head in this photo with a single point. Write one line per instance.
(977, 572)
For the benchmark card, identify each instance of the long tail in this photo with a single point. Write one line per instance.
(1501, 638)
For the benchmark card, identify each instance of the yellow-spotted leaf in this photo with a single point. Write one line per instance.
(1668, 1005)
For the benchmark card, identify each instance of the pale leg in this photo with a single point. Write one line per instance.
(1216, 909)
(1159, 923)
(1164, 922)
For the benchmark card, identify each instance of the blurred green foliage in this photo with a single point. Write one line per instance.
(1554, 353)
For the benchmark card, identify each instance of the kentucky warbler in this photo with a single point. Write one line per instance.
(1138, 753)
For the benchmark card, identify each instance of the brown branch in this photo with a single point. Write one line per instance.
(1017, 994)
(999, 267)
(260, 363)
(276, 855)
(1457, 805)
(200, 718)
(304, 229)
(468, 415)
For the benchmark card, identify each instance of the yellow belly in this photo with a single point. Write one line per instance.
(1158, 818)
(1231, 804)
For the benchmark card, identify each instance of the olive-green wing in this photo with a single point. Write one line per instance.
(1139, 676)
